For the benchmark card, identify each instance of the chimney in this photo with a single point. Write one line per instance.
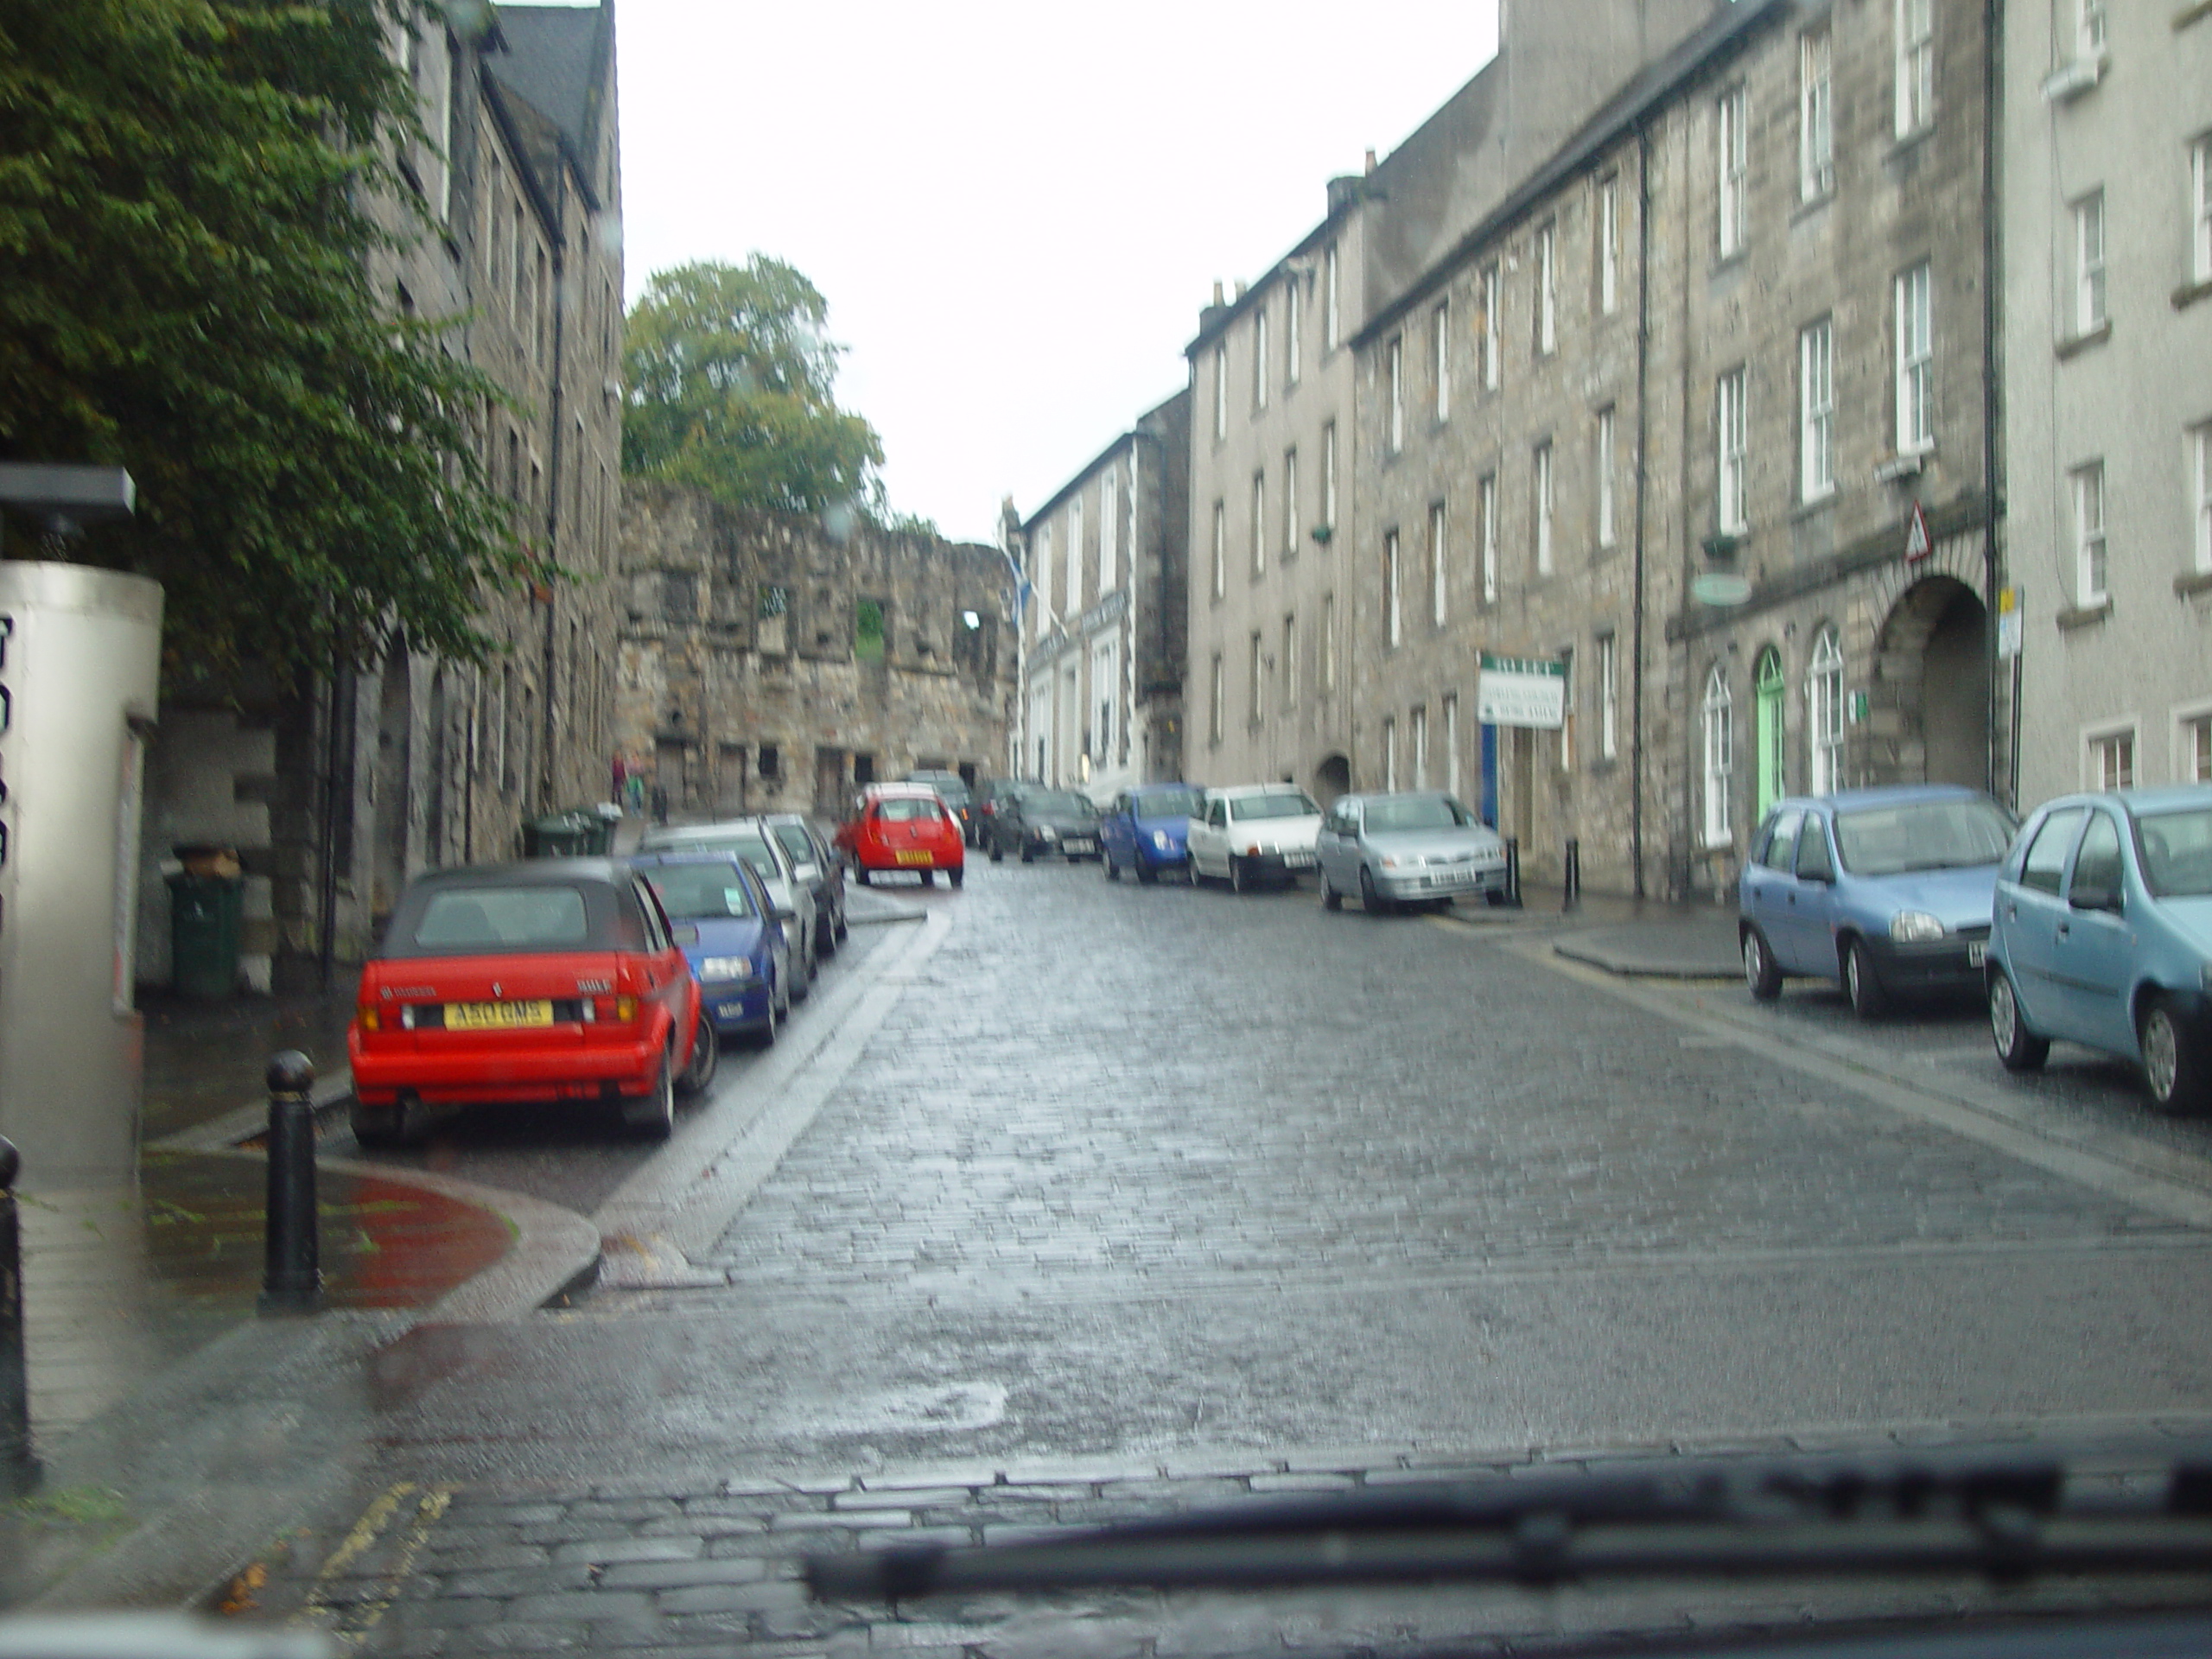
(1371, 161)
(1240, 288)
(1217, 299)
(1344, 190)
(1210, 314)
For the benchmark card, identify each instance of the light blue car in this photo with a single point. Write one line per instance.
(1887, 890)
(2103, 936)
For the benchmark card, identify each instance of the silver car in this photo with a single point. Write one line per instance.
(1422, 847)
(752, 840)
(820, 868)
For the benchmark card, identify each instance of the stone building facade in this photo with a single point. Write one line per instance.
(2107, 181)
(1279, 549)
(771, 663)
(1707, 367)
(1105, 562)
(336, 792)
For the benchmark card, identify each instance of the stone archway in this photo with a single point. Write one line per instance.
(1332, 777)
(1930, 715)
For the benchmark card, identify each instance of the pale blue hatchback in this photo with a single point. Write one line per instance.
(1887, 890)
(2103, 936)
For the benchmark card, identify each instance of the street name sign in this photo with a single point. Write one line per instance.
(1528, 691)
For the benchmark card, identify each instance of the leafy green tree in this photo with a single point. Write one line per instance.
(730, 381)
(186, 228)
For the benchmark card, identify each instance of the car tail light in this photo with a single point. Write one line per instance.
(370, 1016)
(626, 1009)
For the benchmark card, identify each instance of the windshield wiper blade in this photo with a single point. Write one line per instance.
(2007, 1515)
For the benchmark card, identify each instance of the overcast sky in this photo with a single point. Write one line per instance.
(1015, 207)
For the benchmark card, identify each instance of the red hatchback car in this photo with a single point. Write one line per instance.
(559, 978)
(903, 827)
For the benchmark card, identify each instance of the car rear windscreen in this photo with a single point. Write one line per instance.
(691, 893)
(907, 810)
(1169, 804)
(503, 918)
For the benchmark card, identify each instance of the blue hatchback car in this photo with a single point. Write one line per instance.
(1147, 829)
(2104, 937)
(1887, 890)
(725, 924)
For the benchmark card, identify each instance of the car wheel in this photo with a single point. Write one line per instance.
(1028, 856)
(928, 878)
(841, 929)
(998, 853)
(1330, 898)
(802, 986)
(765, 1035)
(1497, 898)
(2173, 1066)
(1240, 879)
(1112, 870)
(860, 875)
(825, 936)
(654, 1116)
(1369, 901)
(1861, 984)
(1760, 972)
(2020, 1049)
(706, 1057)
(376, 1128)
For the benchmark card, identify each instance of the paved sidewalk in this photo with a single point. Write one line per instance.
(1647, 938)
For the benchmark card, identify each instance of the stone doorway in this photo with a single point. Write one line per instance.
(1929, 714)
(1332, 777)
(390, 781)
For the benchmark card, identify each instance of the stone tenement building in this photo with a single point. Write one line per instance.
(335, 793)
(767, 665)
(1101, 666)
(1665, 419)
(1278, 547)
(2107, 182)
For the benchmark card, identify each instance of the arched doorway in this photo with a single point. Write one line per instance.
(1931, 704)
(1771, 692)
(1332, 777)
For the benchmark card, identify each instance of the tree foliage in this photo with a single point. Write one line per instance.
(186, 228)
(730, 391)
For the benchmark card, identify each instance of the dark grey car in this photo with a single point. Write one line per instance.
(1420, 847)
(821, 870)
(1047, 821)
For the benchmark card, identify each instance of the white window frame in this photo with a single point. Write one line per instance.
(1044, 562)
(1390, 753)
(1106, 673)
(1214, 706)
(1609, 695)
(1486, 534)
(1824, 710)
(2199, 477)
(1290, 661)
(1731, 442)
(1439, 333)
(1328, 643)
(1609, 243)
(1817, 410)
(1074, 588)
(2200, 184)
(1732, 118)
(1221, 391)
(1492, 286)
(1608, 437)
(1394, 609)
(1815, 114)
(1259, 357)
(1438, 573)
(2111, 757)
(1541, 507)
(1220, 549)
(1394, 368)
(1330, 315)
(2089, 27)
(1566, 709)
(1546, 289)
(2193, 744)
(1293, 335)
(2088, 263)
(1915, 359)
(1110, 529)
(1915, 66)
(1329, 476)
(1417, 724)
(1260, 523)
(1719, 734)
(1255, 690)
(1290, 529)
(1452, 744)
(2092, 552)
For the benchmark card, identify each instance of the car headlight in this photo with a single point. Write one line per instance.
(1915, 927)
(1159, 840)
(1045, 832)
(1389, 862)
(722, 967)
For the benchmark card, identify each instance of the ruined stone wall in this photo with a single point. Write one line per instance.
(767, 663)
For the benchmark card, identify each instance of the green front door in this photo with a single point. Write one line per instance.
(1770, 728)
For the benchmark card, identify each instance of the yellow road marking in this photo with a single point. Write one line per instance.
(350, 1624)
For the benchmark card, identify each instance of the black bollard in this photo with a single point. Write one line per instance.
(291, 1281)
(1513, 871)
(19, 1471)
(1571, 876)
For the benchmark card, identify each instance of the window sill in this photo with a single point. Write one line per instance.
(1809, 206)
(1824, 502)
(2084, 616)
(1909, 464)
(2193, 582)
(1732, 261)
(2194, 14)
(2078, 343)
(2189, 293)
(1908, 142)
(2070, 80)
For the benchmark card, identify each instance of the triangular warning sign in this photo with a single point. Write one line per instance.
(1917, 544)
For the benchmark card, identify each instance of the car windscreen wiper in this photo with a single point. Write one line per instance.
(2010, 1515)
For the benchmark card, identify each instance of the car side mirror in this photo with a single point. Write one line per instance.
(2094, 898)
(785, 913)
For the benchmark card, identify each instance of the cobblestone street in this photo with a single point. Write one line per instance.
(1143, 1197)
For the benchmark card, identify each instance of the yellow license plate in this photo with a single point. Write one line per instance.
(497, 1016)
(913, 858)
